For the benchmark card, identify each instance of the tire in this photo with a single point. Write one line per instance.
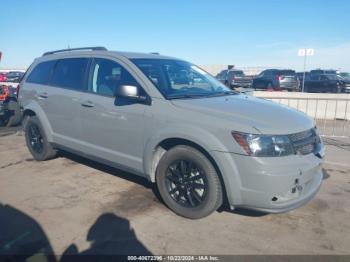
(33, 128)
(205, 199)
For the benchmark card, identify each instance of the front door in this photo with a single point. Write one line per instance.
(112, 130)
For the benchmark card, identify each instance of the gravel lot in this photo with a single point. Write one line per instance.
(85, 207)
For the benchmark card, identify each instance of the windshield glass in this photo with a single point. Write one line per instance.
(237, 73)
(180, 79)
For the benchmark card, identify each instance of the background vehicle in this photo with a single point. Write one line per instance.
(346, 78)
(324, 83)
(234, 78)
(324, 72)
(3, 77)
(10, 114)
(14, 76)
(277, 79)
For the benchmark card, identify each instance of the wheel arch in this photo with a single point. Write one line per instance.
(167, 143)
(33, 109)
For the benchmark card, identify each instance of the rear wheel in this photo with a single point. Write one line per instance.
(188, 182)
(36, 140)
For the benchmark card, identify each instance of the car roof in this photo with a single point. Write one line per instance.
(135, 55)
(128, 55)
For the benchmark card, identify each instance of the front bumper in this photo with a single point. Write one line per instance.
(272, 184)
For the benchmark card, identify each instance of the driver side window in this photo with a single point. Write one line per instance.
(107, 75)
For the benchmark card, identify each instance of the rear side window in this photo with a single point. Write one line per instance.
(41, 73)
(69, 73)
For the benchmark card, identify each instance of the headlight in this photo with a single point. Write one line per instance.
(264, 145)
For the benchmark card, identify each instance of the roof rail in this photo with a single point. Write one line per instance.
(94, 48)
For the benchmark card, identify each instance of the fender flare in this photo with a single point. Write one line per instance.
(36, 108)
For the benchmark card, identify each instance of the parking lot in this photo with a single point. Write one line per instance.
(83, 206)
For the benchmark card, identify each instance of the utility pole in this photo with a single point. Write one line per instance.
(304, 73)
(305, 52)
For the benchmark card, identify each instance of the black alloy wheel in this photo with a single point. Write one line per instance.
(35, 139)
(186, 183)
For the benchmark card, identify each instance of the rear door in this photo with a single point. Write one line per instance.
(61, 100)
(112, 129)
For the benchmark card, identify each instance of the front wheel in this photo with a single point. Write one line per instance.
(188, 183)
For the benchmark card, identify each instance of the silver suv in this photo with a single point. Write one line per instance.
(171, 122)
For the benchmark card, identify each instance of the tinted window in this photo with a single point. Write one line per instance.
(316, 72)
(41, 73)
(287, 72)
(267, 73)
(107, 75)
(331, 77)
(69, 73)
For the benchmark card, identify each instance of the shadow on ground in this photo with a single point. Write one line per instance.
(21, 235)
(113, 171)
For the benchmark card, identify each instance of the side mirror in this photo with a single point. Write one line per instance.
(130, 92)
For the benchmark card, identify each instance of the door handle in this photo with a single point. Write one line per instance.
(43, 95)
(87, 104)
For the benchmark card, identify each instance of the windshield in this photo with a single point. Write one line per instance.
(237, 73)
(180, 79)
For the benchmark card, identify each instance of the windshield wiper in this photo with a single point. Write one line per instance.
(224, 93)
(185, 96)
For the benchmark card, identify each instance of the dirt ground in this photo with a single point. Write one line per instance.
(79, 206)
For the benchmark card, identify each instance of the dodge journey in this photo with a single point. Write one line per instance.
(173, 123)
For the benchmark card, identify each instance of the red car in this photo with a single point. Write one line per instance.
(3, 77)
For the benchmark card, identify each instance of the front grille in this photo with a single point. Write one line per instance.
(305, 142)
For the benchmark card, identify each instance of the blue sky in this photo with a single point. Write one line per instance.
(244, 33)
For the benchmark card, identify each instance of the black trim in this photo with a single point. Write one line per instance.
(102, 160)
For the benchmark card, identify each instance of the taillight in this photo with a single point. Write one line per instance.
(278, 77)
(5, 93)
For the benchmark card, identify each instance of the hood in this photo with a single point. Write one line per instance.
(248, 112)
